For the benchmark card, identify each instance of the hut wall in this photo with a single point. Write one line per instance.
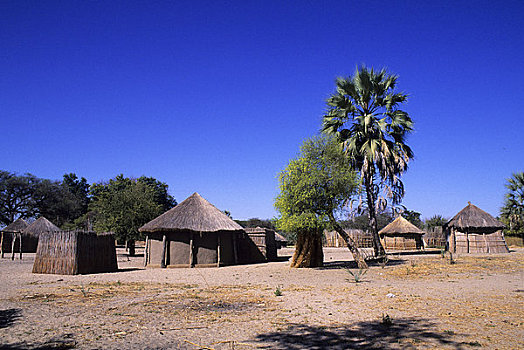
(29, 243)
(402, 242)
(248, 251)
(177, 250)
(480, 243)
(155, 247)
(435, 237)
(264, 240)
(361, 238)
(75, 252)
(227, 251)
(205, 249)
(333, 239)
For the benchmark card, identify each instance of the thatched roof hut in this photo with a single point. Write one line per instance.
(195, 214)
(40, 226)
(194, 233)
(473, 230)
(401, 234)
(7, 233)
(472, 218)
(16, 226)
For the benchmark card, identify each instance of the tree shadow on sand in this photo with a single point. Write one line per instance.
(63, 342)
(405, 333)
(9, 316)
(338, 264)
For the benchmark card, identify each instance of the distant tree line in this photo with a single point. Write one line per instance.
(120, 205)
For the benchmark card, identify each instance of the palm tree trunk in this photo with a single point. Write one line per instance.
(378, 249)
(352, 246)
(308, 251)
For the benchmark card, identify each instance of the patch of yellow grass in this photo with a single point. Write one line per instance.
(434, 267)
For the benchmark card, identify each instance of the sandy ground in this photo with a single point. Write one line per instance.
(413, 302)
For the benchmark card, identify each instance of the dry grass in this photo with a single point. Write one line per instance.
(436, 267)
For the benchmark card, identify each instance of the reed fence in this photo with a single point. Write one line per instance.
(75, 252)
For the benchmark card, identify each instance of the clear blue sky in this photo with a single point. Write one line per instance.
(217, 96)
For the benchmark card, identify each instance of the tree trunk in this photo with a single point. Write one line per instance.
(352, 246)
(308, 251)
(378, 249)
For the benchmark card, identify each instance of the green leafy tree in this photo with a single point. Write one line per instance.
(435, 221)
(314, 188)
(512, 213)
(160, 191)
(55, 202)
(365, 117)
(17, 196)
(122, 205)
(361, 222)
(79, 188)
(413, 217)
(62, 202)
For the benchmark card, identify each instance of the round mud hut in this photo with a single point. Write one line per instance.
(473, 230)
(400, 234)
(13, 230)
(192, 234)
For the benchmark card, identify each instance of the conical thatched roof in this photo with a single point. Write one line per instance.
(195, 214)
(41, 225)
(472, 217)
(16, 226)
(400, 226)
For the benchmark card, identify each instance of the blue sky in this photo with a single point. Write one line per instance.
(217, 96)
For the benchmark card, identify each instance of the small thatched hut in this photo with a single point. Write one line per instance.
(33, 232)
(14, 229)
(473, 230)
(75, 252)
(194, 233)
(401, 234)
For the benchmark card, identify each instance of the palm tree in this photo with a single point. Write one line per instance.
(513, 210)
(363, 113)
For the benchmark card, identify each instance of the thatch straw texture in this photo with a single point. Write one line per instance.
(75, 252)
(15, 227)
(40, 226)
(400, 234)
(474, 218)
(194, 214)
(400, 226)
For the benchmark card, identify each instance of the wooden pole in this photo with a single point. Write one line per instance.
(13, 246)
(20, 237)
(235, 254)
(2, 245)
(218, 249)
(146, 255)
(164, 251)
(191, 249)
